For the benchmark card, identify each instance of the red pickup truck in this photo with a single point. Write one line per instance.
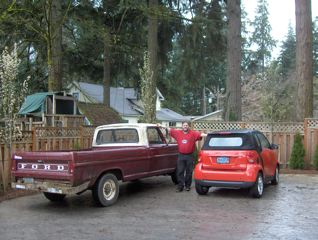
(120, 152)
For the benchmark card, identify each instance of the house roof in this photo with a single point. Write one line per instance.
(119, 97)
(99, 114)
(125, 101)
(166, 114)
(216, 113)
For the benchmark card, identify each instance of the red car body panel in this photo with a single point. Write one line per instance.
(243, 164)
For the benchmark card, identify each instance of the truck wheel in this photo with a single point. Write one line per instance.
(275, 180)
(106, 190)
(54, 197)
(174, 178)
(201, 190)
(257, 190)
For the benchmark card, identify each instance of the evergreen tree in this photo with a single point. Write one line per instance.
(315, 46)
(261, 38)
(296, 160)
(316, 158)
(287, 56)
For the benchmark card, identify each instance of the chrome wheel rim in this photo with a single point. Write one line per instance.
(109, 189)
(260, 185)
(277, 175)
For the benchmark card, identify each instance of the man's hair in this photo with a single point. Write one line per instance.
(186, 122)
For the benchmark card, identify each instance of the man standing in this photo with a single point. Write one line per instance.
(186, 140)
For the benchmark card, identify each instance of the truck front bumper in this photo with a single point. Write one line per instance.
(51, 187)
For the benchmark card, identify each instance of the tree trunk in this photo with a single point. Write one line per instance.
(304, 59)
(150, 107)
(233, 84)
(106, 77)
(54, 46)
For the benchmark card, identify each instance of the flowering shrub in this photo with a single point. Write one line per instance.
(11, 92)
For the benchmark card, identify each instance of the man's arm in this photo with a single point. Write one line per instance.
(204, 134)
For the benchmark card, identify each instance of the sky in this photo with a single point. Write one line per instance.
(281, 13)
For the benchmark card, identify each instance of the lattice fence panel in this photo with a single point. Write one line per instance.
(88, 131)
(312, 123)
(18, 136)
(276, 127)
(49, 132)
(260, 126)
(215, 126)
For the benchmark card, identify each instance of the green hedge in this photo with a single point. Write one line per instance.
(297, 160)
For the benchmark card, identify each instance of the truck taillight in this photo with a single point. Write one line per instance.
(13, 166)
(71, 166)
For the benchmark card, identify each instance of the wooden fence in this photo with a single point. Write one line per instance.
(282, 134)
(43, 139)
(58, 138)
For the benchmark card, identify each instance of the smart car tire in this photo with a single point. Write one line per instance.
(201, 190)
(257, 190)
(275, 180)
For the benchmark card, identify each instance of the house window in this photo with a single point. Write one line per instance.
(76, 95)
(172, 124)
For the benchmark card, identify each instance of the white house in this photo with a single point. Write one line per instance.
(125, 102)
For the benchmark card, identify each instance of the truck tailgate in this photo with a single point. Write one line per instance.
(43, 166)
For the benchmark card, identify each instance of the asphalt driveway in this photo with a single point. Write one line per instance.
(151, 209)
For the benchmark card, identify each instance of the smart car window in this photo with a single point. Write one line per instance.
(233, 141)
(263, 140)
(226, 142)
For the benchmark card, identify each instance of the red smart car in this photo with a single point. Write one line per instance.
(236, 159)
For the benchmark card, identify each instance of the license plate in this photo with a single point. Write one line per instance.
(223, 160)
(28, 180)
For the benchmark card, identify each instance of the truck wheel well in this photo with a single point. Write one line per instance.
(116, 172)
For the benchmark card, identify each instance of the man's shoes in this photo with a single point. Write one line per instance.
(179, 189)
(187, 189)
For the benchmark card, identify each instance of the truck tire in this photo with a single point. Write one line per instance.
(106, 190)
(174, 177)
(54, 197)
(257, 190)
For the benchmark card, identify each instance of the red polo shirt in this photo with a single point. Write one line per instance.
(186, 141)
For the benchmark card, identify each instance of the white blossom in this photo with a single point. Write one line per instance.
(11, 92)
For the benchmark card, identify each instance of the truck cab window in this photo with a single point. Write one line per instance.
(154, 136)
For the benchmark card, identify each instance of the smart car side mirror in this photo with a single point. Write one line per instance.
(274, 146)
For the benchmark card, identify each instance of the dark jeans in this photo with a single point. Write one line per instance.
(184, 170)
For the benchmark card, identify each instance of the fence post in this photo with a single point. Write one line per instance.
(81, 137)
(2, 171)
(33, 139)
(306, 132)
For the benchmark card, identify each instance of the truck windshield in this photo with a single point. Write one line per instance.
(123, 135)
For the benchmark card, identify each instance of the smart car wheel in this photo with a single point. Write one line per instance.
(54, 197)
(201, 190)
(275, 180)
(257, 190)
(106, 190)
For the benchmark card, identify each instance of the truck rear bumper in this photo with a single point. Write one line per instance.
(52, 187)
